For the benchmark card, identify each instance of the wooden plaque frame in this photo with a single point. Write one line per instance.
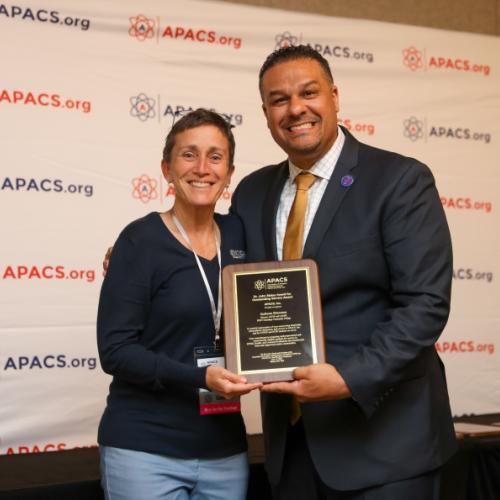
(261, 294)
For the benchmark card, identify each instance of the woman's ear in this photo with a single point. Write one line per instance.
(230, 174)
(165, 168)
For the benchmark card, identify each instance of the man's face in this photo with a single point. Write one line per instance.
(301, 106)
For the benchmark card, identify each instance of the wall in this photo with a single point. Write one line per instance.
(475, 16)
(84, 112)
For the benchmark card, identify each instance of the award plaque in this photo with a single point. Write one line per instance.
(272, 318)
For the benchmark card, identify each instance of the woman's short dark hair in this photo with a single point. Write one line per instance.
(198, 118)
(292, 53)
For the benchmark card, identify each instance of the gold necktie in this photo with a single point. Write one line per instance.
(292, 243)
(294, 234)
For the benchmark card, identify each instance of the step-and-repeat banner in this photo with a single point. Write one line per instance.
(88, 91)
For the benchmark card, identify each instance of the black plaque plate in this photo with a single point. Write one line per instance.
(272, 318)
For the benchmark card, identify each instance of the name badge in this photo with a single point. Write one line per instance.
(210, 402)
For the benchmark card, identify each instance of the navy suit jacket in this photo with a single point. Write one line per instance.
(383, 249)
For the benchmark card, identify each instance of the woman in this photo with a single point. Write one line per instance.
(158, 335)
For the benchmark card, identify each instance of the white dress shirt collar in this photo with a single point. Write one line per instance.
(324, 167)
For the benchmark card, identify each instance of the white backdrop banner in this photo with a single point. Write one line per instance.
(89, 90)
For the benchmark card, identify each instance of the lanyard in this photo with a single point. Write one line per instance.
(216, 313)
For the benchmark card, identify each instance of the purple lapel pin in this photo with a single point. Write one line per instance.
(347, 181)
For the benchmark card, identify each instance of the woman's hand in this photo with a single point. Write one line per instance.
(226, 383)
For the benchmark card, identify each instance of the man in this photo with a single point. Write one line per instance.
(375, 421)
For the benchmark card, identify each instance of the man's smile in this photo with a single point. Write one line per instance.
(301, 127)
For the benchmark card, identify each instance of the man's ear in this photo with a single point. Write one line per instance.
(264, 109)
(335, 97)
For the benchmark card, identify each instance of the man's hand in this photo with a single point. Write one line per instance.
(226, 383)
(319, 382)
(105, 262)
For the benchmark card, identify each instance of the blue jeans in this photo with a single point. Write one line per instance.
(136, 475)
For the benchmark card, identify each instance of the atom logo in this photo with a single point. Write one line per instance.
(143, 107)
(412, 58)
(141, 27)
(144, 188)
(260, 284)
(285, 40)
(413, 129)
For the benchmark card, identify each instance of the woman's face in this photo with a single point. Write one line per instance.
(199, 166)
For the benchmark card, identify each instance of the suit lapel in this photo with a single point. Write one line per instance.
(333, 195)
(270, 208)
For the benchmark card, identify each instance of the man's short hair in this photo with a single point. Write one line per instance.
(292, 53)
(198, 118)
